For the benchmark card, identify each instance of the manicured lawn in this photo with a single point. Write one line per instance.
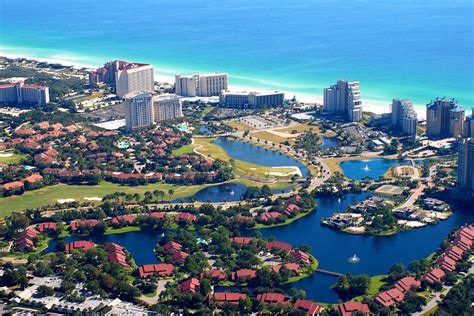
(122, 230)
(306, 271)
(334, 163)
(376, 282)
(206, 147)
(186, 149)
(272, 137)
(50, 195)
(12, 160)
(239, 125)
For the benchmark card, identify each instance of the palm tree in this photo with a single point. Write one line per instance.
(170, 193)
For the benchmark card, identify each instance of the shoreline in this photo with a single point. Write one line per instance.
(165, 76)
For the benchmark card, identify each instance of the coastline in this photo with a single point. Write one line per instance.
(165, 76)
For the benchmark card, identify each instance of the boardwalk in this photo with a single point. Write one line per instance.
(337, 274)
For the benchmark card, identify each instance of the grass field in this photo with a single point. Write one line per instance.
(186, 149)
(206, 147)
(13, 160)
(50, 195)
(272, 137)
(239, 125)
(376, 282)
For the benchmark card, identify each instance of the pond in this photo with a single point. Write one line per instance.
(329, 142)
(369, 168)
(222, 193)
(377, 254)
(257, 155)
(140, 243)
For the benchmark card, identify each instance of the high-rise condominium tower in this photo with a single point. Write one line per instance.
(403, 116)
(201, 85)
(344, 97)
(444, 118)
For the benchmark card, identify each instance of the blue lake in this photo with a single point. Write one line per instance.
(257, 155)
(329, 142)
(333, 248)
(368, 168)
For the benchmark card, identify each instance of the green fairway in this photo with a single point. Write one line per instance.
(11, 160)
(50, 195)
(186, 149)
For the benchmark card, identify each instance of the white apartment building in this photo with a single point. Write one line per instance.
(344, 97)
(403, 116)
(167, 107)
(132, 78)
(24, 93)
(139, 112)
(251, 99)
(201, 85)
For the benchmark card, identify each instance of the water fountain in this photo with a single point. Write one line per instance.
(366, 168)
(354, 259)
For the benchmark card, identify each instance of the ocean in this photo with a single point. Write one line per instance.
(396, 48)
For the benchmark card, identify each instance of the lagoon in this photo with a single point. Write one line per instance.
(247, 152)
(369, 168)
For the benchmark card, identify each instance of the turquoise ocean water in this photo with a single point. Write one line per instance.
(396, 48)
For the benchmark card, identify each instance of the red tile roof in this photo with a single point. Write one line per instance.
(190, 286)
(47, 226)
(179, 256)
(159, 215)
(279, 245)
(215, 274)
(83, 245)
(243, 274)
(348, 308)
(87, 222)
(265, 217)
(390, 297)
(161, 269)
(300, 256)
(290, 266)
(186, 217)
(241, 240)
(127, 219)
(226, 297)
(171, 247)
(116, 253)
(12, 185)
(435, 275)
(311, 308)
(276, 298)
(33, 178)
(407, 283)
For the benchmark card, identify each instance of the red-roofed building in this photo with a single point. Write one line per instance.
(160, 269)
(265, 217)
(29, 232)
(241, 240)
(179, 257)
(272, 298)
(226, 297)
(350, 308)
(116, 253)
(390, 297)
(446, 263)
(309, 307)
(300, 257)
(454, 252)
(171, 247)
(83, 245)
(125, 219)
(467, 232)
(159, 215)
(190, 286)
(407, 283)
(15, 185)
(188, 217)
(279, 245)
(215, 274)
(33, 178)
(24, 243)
(47, 226)
(243, 274)
(87, 223)
(292, 209)
(463, 242)
(290, 266)
(435, 275)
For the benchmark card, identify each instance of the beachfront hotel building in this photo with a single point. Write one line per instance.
(403, 116)
(469, 125)
(444, 118)
(139, 112)
(201, 85)
(167, 107)
(20, 93)
(466, 164)
(344, 97)
(251, 99)
(124, 76)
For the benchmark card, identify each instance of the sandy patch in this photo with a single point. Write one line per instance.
(94, 198)
(411, 224)
(296, 171)
(62, 201)
(6, 155)
(253, 168)
(284, 135)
